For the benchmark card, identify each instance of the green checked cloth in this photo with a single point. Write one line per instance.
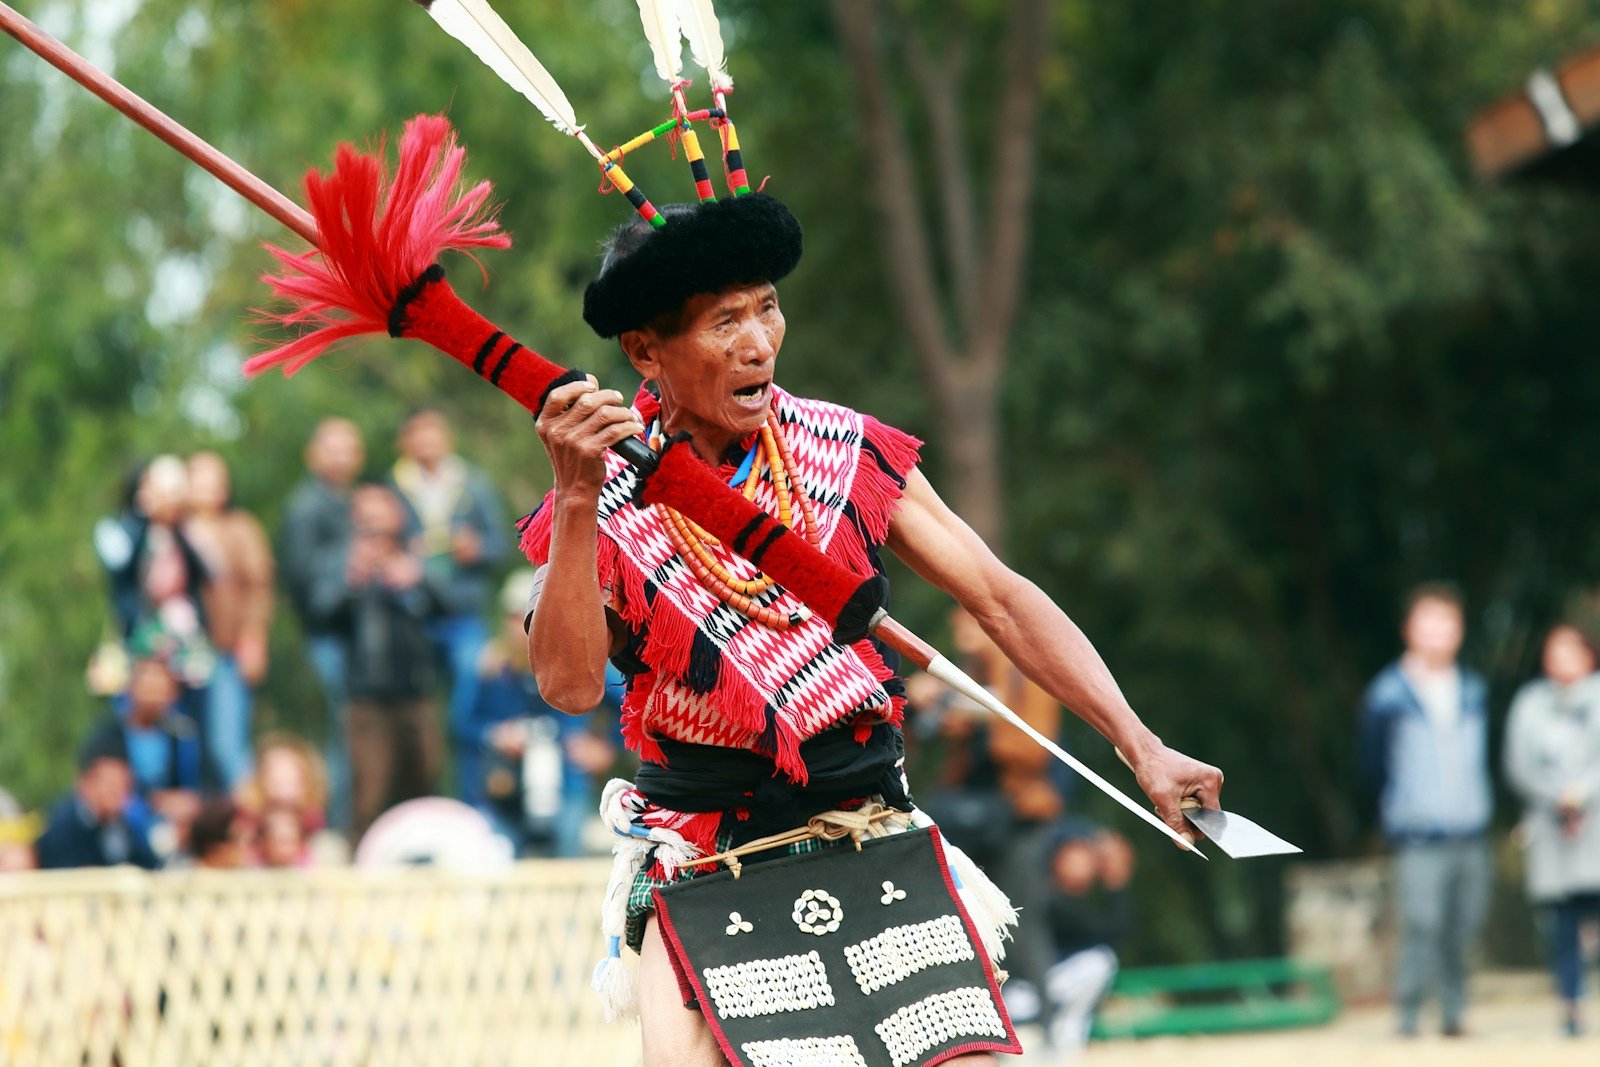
(641, 905)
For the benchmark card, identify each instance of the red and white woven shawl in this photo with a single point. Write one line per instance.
(716, 677)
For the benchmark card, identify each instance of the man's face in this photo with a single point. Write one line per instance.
(105, 786)
(375, 513)
(426, 438)
(1434, 629)
(1075, 867)
(151, 691)
(719, 368)
(164, 490)
(336, 453)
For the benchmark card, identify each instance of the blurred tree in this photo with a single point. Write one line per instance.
(1301, 363)
(959, 307)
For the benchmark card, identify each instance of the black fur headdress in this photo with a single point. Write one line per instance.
(703, 248)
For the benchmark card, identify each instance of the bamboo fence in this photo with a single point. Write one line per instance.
(336, 967)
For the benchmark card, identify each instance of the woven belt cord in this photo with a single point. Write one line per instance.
(869, 820)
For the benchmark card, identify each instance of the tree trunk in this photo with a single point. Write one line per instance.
(960, 331)
(968, 410)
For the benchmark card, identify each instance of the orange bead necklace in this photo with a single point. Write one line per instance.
(694, 545)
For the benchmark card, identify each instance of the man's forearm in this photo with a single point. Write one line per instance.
(1048, 647)
(568, 641)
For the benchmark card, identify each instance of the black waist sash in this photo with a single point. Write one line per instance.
(700, 778)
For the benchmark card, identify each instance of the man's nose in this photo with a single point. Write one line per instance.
(756, 343)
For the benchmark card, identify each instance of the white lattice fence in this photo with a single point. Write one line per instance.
(330, 967)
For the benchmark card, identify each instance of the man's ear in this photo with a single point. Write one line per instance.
(640, 348)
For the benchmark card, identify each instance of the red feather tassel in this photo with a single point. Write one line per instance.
(379, 232)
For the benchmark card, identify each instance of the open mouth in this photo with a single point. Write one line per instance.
(752, 394)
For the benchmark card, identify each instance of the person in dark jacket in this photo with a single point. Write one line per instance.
(311, 546)
(98, 824)
(156, 575)
(381, 610)
(1088, 914)
(455, 523)
(159, 582)
(1425, 743)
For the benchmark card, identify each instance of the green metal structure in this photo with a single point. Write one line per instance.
(1215, 998)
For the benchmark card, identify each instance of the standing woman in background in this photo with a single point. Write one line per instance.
(1553, 761)
(234, 547)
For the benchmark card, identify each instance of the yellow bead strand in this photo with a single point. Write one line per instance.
(693, 544)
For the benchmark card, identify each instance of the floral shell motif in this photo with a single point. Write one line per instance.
(818, 912)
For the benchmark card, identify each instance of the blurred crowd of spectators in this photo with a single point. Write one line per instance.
(425, 683)
(1007, 803)
(1425, 741)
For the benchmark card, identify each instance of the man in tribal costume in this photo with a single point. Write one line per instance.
(747, 718)
(755, 729)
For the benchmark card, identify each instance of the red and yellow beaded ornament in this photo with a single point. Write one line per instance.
(695, 547)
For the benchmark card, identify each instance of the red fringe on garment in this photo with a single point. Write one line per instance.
(378, 232)
(668, 648)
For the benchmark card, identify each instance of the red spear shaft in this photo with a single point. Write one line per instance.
(147, 115)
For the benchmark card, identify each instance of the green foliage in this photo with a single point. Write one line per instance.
(1286, 360)
(1279, 355)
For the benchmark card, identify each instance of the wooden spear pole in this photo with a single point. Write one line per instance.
(153, 119)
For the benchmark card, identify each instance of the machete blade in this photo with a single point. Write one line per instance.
(1237, 835)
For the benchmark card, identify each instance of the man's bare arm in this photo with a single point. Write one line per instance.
(1043, 642)
(569, 638)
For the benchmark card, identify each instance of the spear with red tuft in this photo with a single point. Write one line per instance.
(376, 236)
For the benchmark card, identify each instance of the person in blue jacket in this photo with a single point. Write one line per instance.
(153, 727)
(1425, 731)
(101, 823)
(531, 769)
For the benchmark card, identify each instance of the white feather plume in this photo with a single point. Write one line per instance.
(475, 24)
(663, 30)
(700, 26)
